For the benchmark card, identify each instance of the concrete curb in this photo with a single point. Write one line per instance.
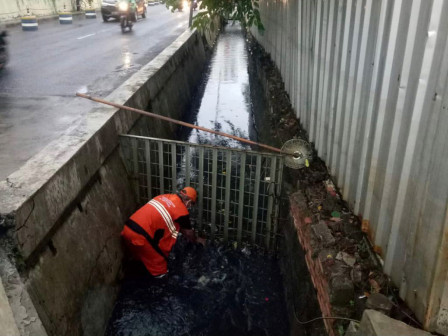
(17, 22)
(374, 323)
(6, 318)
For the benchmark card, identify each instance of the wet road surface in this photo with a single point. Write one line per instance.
(47, 67)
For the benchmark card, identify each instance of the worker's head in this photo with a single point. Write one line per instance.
(189, 196)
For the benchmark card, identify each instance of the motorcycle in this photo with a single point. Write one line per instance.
(127, 16)
(3, 51)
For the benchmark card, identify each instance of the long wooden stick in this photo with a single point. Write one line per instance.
(158, 116)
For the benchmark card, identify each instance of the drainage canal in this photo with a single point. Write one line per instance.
(234, 284)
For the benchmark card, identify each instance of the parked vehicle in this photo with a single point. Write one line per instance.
(3, 50)
(109, 9)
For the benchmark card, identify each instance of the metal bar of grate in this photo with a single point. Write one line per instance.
(237, 189)
(214, 183)
(173, 168)
(161, 172)
(277, 198)
(135, 167)
(201, 186)
(270, 202)
(227, 194)
(187, 165)
(148, 169)
(241, 198)
(256, 196)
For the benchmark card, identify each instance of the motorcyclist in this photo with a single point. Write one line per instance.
(132, 7)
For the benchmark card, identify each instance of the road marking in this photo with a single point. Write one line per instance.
(82, 37)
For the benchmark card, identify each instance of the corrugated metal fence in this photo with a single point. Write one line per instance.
(368, 79)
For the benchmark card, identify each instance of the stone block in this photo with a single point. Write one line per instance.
(379, 302)
(341, 290)
(374, 323)
(347, 258)
(352, 329)
(323, 233)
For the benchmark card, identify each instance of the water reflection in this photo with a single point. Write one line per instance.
(126, 60)
(225, 105)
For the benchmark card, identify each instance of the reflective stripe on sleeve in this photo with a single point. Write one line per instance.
(166, 217)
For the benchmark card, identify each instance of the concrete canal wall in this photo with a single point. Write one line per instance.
(368, 82)
(62, 212)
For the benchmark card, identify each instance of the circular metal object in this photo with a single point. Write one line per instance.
(300, 151)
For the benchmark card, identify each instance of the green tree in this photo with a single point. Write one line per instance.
(244, 11)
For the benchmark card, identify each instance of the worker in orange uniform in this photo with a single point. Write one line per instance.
(151, 232)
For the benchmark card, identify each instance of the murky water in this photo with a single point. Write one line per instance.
(214, 290)
(218, 289)
(224, 101)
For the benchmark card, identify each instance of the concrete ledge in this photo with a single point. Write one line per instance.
(374, 323)
(25, 316)
(7, 323)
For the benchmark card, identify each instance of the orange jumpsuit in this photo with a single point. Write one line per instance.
(158, 220)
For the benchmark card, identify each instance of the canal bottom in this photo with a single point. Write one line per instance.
(217, 289)
(212, 290)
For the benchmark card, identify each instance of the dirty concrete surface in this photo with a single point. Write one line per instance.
(47, 67)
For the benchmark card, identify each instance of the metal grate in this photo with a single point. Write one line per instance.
(238, 190)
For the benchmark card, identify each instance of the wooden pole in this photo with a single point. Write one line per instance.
(158, 116)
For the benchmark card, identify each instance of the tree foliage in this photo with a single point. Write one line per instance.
(244, 11)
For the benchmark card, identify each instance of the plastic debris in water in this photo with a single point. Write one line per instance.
(336, 214)
(246, 251)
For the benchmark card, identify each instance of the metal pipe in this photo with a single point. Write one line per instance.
(158, 116)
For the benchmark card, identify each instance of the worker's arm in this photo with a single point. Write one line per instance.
(187, 230)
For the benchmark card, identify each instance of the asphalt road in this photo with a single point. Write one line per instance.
(47, 67)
